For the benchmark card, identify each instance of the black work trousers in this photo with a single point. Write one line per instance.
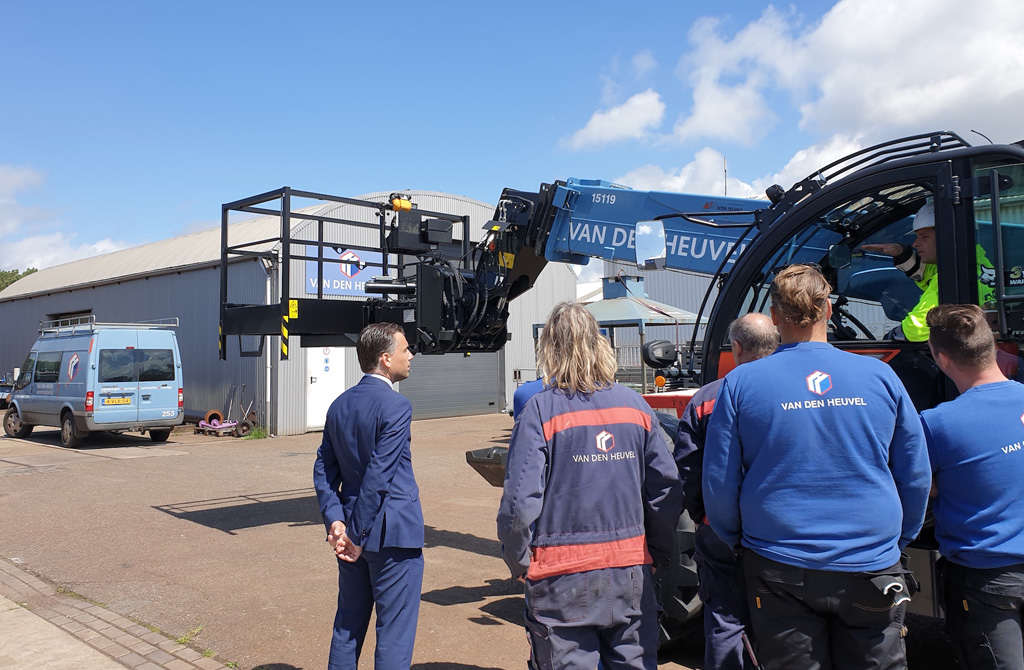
(823, 620)
(983, 615)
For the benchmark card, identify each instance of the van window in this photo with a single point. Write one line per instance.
(133, 365)
(155, 365)
(117, 365)
(48, 367)
(25, 378)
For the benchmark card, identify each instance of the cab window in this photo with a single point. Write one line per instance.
(25, 377)
(48, 367)
(1000, 285)
(1010, 202)
(870, 295)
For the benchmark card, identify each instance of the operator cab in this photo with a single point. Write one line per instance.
(871, 296)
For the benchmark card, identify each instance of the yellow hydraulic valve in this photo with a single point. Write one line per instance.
(400, 204)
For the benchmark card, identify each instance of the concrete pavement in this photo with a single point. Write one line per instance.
(46, 628)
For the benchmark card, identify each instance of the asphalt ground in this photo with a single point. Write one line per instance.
(225, 534)
(220, 540)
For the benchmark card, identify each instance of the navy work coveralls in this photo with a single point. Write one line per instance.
(726, 616)
(592, 496)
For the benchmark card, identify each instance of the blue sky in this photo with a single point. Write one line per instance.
(122, 123)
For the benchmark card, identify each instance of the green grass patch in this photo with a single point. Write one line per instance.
(257, 433)
(187, 638)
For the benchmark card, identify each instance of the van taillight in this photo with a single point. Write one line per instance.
(89, 401)
(181, 399)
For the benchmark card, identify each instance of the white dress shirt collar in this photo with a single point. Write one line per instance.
(382, 378)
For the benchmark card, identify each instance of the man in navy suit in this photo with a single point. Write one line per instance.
(370, 504)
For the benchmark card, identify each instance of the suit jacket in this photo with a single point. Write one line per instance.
(363, 472)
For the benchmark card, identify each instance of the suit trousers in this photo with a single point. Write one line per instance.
(983, 615)
(393, 579)
(807, 619)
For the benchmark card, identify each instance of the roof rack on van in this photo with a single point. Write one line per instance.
(86, 324)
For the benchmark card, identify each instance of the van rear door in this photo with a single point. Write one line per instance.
(117, 380)
(157, 364)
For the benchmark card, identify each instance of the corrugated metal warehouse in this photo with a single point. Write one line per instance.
(179, 278)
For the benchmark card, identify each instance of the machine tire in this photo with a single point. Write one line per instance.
(159, 434)
(69, 436)
(13, 425)
(676, 586)
(243, 428)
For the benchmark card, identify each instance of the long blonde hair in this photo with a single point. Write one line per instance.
(572, 353)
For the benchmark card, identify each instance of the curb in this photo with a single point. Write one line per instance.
(127, 642)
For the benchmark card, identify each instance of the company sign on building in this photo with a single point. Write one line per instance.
(348, 277)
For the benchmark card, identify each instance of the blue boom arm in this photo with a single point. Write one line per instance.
(597, 219)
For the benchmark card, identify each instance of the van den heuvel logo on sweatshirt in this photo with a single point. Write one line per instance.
(819, 382)
(605, 441)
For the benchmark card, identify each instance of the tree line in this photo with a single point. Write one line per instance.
(8, 277)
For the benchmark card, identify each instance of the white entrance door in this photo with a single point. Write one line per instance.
(325, 376)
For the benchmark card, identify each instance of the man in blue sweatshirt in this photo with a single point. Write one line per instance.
(815, 463)
(975, 443)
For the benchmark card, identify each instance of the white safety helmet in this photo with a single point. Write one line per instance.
(925, 217)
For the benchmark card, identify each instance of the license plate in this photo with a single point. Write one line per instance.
(117, 401)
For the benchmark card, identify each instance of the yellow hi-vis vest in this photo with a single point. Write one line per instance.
(914, 325)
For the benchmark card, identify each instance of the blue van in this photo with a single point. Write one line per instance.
(83, 376)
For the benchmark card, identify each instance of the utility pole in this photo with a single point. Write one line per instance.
(725, 168)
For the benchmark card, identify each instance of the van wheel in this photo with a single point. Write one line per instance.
(13, 425)
(69, 436)
(159, 435)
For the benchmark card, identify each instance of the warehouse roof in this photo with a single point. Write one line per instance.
(187, 251)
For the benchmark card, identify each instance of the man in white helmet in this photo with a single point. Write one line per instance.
(918, 261)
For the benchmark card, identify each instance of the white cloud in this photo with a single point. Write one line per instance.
(868, 71)
(15, 179)
(42, 251)
(643, 63)
(805, 162)
(729, 78)
(633, 119)
(12, 181)
(22, 248)
(589, 273)
(956, 70)
(704, 174)
(870, 67)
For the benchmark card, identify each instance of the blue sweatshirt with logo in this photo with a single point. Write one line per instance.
(976, 445)
(815, 458)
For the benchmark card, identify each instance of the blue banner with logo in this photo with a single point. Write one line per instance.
(346, 278)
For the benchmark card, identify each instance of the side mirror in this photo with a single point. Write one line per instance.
(650, 245)
(839, 257)
(659, 354)
(24, 379)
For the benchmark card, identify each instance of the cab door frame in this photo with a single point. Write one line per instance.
(730, 300)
